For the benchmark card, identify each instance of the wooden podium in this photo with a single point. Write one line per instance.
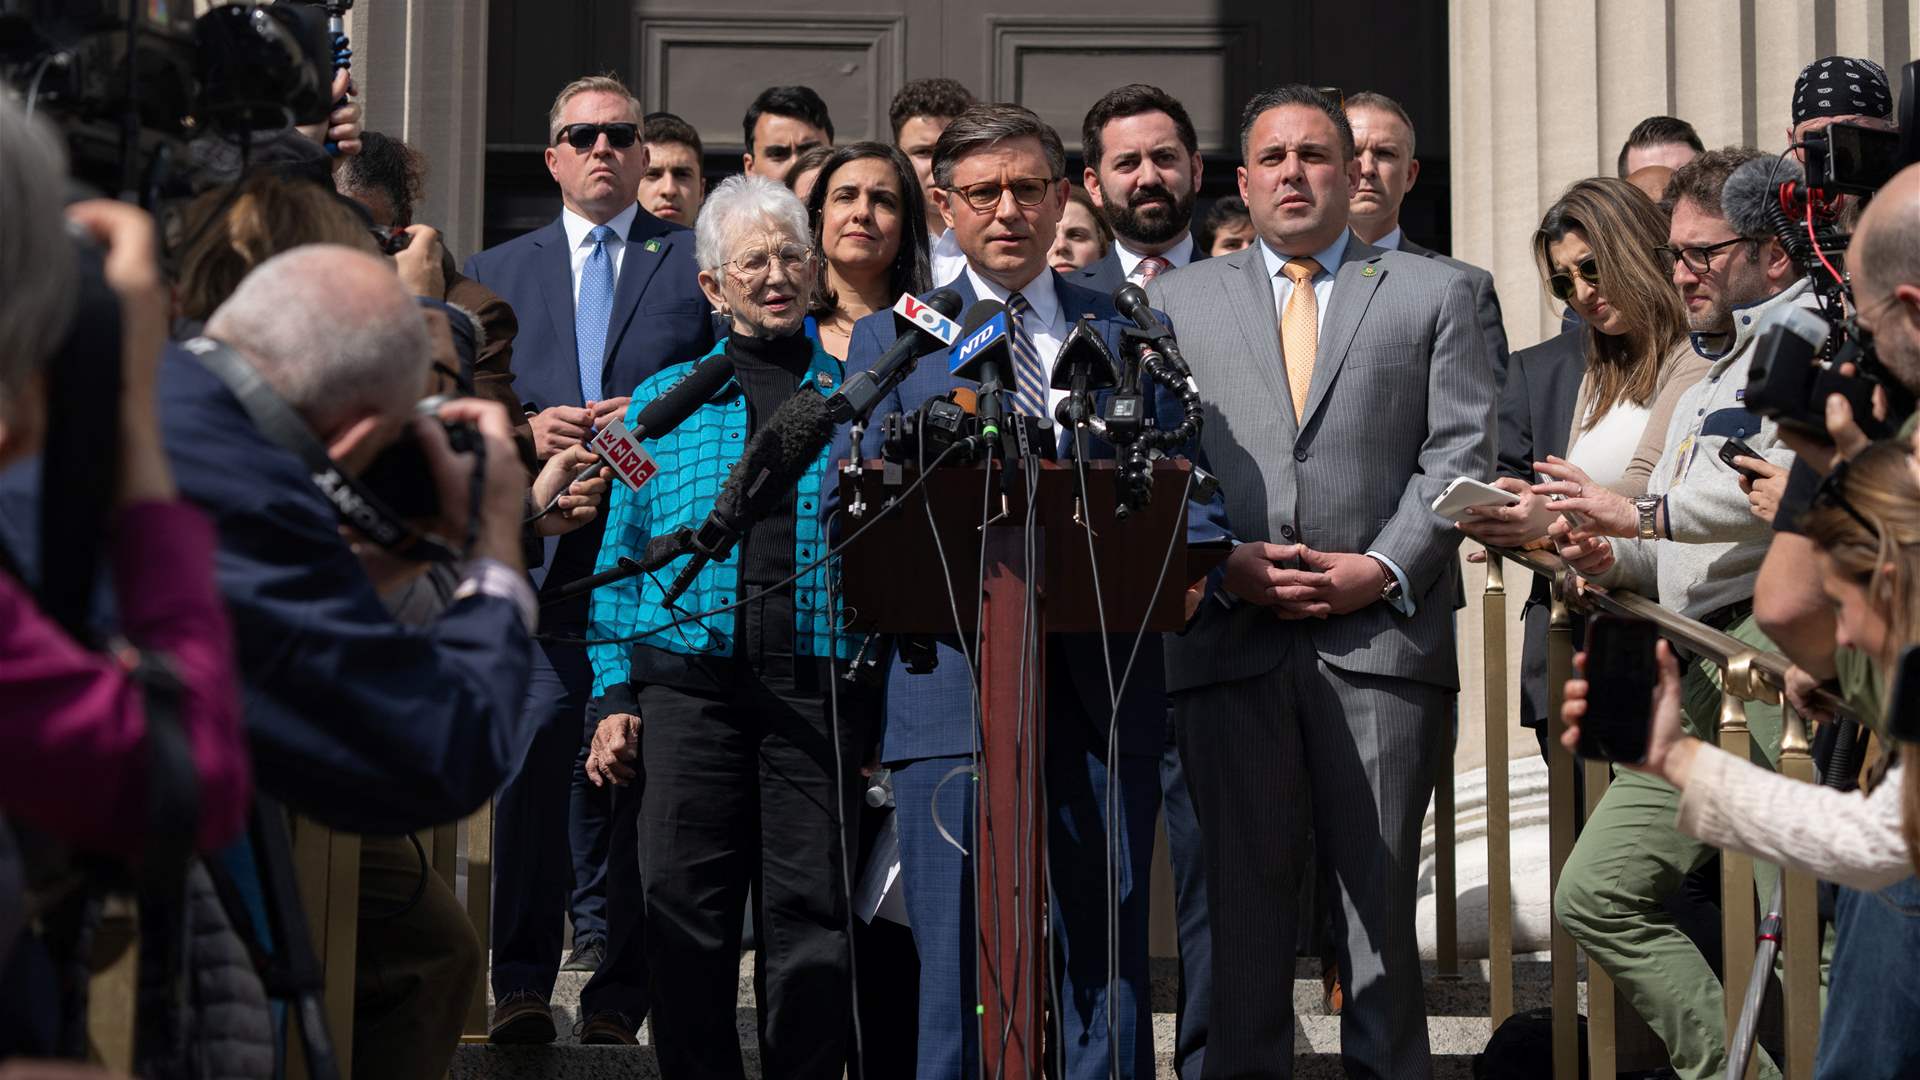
(897, 582)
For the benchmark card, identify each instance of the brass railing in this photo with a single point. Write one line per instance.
(1747, 674)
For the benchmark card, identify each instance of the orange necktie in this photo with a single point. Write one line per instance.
(1300, 331)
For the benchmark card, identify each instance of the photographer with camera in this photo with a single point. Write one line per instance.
(1885, 273)
(1692, 542)
(69, 712)
(1864, 527)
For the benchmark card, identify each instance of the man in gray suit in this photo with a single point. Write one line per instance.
(1345, 386)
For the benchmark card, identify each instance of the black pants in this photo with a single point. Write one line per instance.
(743, 788)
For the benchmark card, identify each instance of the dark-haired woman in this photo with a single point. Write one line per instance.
(871, 229)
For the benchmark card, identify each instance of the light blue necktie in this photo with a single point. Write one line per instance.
(592, 312)
(1029, 375)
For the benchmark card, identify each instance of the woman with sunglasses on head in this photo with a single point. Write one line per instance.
(1865, 526)
(751, 740)
(870, 228)
(1596, 251)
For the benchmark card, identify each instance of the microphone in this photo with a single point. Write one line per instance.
(696, 388)
(924, 325)
(1085, 364)
(984, 355)
(657, 418)
(774, 460)
(1752, 194)
(1132, 301)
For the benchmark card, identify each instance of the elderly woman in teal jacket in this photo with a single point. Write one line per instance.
(750, 770)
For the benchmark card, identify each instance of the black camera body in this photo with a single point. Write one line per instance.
(402, 478)
(130, 82)
(1791, 378)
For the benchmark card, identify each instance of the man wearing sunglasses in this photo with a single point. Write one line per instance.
(1692, 541)
(606, 295)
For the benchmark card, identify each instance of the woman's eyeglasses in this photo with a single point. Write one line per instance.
(1561, 285)
(1698, 259)
(1833, 492)
(753, 267)
(1027, 191)
(584, 136)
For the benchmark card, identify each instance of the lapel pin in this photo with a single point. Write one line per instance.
(825, 380)
(653, 245)
(1368, 272)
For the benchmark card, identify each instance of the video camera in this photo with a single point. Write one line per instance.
(132, 82)
(1800, 358)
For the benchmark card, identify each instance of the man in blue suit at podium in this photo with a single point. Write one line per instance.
(1001, 187)
(607, 294)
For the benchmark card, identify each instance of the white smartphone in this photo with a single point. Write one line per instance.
(1465, 491)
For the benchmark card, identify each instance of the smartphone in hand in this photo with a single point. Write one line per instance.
(1621, 675)
(1733, 448)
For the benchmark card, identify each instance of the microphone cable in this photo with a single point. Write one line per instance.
(759, 594)
(840, 783)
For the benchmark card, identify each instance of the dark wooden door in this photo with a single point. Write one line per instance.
(706, 61)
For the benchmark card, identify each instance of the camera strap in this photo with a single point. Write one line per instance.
(356, 505)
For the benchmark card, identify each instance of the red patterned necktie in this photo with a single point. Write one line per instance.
(1151, 267)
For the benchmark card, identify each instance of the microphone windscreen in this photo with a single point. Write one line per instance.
(945, 301)
(671, 409)
(1752, 191)
(978, 314)
(784, 449)
(1131, 300)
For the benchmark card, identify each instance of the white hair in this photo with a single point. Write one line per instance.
(37, 283)
(332, 330)
(741, 203)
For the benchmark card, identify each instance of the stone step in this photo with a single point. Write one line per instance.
(1457, 1028)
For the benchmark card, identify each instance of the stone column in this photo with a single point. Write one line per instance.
(1543, 92)
(421, 68)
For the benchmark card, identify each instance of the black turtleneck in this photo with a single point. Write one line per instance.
(769, 371)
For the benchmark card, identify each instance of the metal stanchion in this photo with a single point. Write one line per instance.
(1566, 1031)
(480, 911)
(1737, 921)
(1499, 811)
(1602, 1031)
(1800, 926)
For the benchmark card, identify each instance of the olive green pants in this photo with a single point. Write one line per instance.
(1630, 857)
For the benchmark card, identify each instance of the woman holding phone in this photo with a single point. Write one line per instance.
(1865, 525)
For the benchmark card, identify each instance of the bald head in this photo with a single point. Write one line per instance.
(1651, 179)
(333, 331)
(1885, 260)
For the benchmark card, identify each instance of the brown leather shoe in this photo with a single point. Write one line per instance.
(608, 1029)
(522, 1018)
(1336, 997)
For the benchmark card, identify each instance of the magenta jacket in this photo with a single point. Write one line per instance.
(73, 722)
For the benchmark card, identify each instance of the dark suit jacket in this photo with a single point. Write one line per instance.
(354, 719)
(931, 715)
(1103, 274)
(1536, 414)
(660, 317)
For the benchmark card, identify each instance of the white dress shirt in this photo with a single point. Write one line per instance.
(1046, 324)
(580, 242)
(947, 258)
(1178, 255)
(1329, 260)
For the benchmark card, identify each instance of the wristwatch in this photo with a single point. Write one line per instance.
(1649, 507)
(1390, 584)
